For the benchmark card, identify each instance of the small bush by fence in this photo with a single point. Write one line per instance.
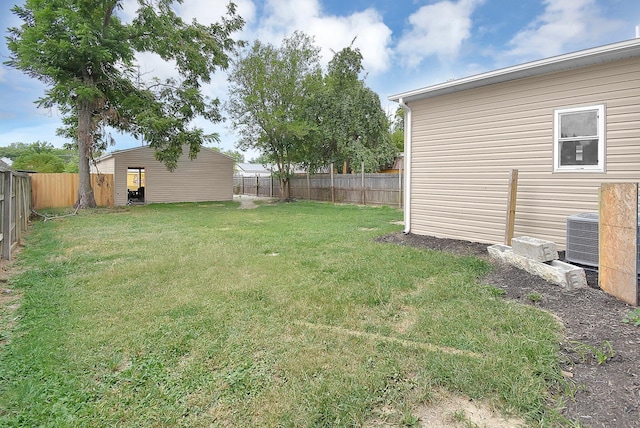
(370, 189)
(15, 208)
(61, 190)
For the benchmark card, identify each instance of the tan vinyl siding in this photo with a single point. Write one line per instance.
(465, 144)
(209, 177)
(104, 166)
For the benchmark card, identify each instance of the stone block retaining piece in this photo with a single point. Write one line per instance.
(534, 248)
(563, 274)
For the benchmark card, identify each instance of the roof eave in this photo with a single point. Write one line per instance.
(602, 54)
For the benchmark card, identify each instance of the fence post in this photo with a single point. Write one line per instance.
(333, 195)
(364, 199)
(400, 184)
(7, 210)
(308, 186)
(3, 218)
(257, 186)
(511, 207)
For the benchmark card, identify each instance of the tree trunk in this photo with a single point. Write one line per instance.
(86, 198)
(284, 189)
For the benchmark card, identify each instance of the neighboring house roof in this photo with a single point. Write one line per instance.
(598, 55)
(253, 168)
(6, 161)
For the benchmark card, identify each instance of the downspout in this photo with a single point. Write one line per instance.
(407, 166)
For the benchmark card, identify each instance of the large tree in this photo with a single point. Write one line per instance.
(86, 54)
(269, 91)
(354, 126)
(397, 129)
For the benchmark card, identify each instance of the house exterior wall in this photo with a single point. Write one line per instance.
(465, 144)
(209, 177)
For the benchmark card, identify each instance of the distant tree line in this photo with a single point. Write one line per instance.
(40, 156)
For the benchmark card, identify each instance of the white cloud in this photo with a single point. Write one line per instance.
(211, 11)
(371, 35)
(437, 29)
(332, 33)
(564, 25)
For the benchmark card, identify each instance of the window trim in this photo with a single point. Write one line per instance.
(601, 140)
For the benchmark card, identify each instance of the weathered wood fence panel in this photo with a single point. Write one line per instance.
(256, 186)
(15, 208)
(375, 189)
(61, 190)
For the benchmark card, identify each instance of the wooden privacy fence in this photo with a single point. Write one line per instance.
(61, 190)
(15, 208)
(373, 189)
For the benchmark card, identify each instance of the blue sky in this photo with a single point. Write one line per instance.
(406, 45)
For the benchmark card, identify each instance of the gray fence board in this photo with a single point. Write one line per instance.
(379, 189)
(15, 208)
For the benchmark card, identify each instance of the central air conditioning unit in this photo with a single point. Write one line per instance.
(582, 239)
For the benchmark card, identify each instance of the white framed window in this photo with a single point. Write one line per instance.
(578, 139)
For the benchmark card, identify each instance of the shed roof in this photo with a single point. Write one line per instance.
(117, 152)
(597, 55)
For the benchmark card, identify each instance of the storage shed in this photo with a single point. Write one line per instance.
(567, 123)
(140, 178)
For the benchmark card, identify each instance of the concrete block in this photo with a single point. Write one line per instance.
(534, 248)
(497, 251)
(563, 274)
(575, 276)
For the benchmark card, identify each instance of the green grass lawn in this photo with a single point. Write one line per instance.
(286, 315)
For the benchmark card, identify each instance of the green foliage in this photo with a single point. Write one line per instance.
(39, 162)
(41, 156)
(282, 106)
(72, 164)
(14, 150)
(397, 129)
(85, 53)
(633, 317)
(262, 159)
(268, 92)
(534, 297)
(353, 125)
(397, 139)
(601, 354)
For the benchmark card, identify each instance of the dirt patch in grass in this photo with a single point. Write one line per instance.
(10, 300)
(448, 411)
(249, 202)
(601, 387)
(456, 411)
